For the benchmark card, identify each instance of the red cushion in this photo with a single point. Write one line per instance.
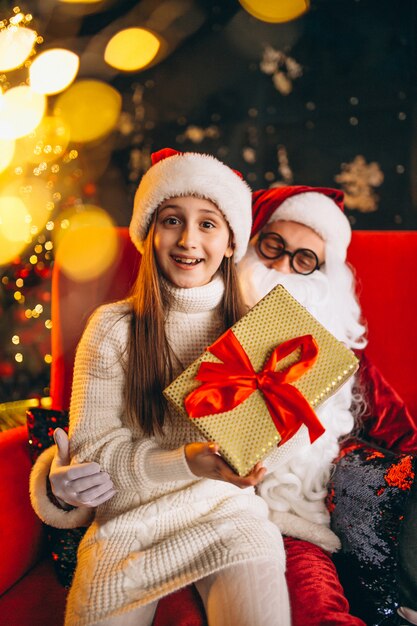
(182, 608)
(316, 595)
(37, 600)
(21, 531)
(386, 264)
(72, 304)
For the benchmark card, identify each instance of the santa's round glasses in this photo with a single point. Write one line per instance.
(302, 261)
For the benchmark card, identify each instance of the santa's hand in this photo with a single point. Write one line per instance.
(80, 484)
(204, 461)
(408, 614)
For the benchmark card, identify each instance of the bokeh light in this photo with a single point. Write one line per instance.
(82, 8)
(16, 44)
(131, 49)
(275, 10)
(14, 218)
(47, 142)
(85, 243)
(7, 148)
(14, 228)
(81, 1)
(91, 109)
(53, 71)
(21, 110)
(36, 198)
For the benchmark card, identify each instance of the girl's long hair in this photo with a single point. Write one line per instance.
(149, 356)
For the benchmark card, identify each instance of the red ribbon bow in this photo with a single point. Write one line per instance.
(228, 384)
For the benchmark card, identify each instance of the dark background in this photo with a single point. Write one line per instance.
(356, 95)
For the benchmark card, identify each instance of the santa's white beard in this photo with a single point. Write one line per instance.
(298, 486)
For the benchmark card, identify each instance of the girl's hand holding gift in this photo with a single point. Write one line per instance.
(205, 461)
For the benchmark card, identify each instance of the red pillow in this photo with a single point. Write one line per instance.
(369, 501)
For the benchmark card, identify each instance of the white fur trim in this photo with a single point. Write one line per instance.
(295, 526)
(321, 214)
(42, 505)
(197, 174)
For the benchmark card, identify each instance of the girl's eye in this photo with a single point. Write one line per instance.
(208, 225)
(171, 221)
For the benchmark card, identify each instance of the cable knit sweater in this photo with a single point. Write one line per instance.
(165, 527)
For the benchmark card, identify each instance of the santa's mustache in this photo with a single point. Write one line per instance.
(256, 280)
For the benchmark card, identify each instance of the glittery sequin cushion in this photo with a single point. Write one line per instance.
(63, 543)
(368, 500)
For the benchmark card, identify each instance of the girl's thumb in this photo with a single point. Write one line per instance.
(62, 442)
(213, 447)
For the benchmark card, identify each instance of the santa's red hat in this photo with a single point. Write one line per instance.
(175, 174)
(319, 208)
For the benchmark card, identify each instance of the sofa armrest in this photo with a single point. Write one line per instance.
(21, 534)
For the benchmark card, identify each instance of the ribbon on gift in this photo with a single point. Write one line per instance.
(231, 382)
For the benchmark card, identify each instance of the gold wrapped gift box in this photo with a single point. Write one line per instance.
(247, 433)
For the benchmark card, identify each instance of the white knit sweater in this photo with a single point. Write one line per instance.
(165, 527)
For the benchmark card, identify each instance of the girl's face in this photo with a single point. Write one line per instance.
(191, 238)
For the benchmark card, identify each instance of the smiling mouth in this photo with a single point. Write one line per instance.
(186, 261)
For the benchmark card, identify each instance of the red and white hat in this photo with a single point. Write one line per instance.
(319, 208)
(175, 174)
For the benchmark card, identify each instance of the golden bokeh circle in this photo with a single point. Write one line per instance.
(276, 11)
(90, 108)
(85, 242)
(131, 49)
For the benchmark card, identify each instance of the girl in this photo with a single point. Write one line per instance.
(180, 514)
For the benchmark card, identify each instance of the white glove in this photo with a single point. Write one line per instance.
(80, 484)
(408, 614)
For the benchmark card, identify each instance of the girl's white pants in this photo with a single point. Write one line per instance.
(247, 594)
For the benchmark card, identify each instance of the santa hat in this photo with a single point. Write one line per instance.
(175, 174)
(319, 208)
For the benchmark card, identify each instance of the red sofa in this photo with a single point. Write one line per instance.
(29, 593)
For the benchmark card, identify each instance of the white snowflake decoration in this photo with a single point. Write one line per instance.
(125, 124)
(284, 170)
(284, 69)
(132, 124)
(358, 180)
(139, 161)
(249, 155)
(197, 134)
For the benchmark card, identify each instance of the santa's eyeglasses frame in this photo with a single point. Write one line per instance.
(303, 260)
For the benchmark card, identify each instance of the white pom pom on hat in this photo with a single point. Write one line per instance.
(175, 174)
(319, 208)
